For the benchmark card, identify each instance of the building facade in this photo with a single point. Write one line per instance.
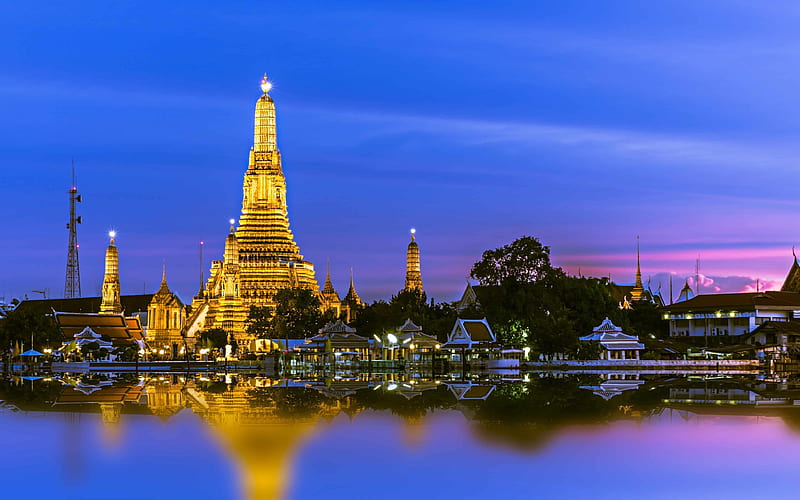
(165, 318)
(726, 314)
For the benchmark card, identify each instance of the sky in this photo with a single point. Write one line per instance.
(584, 124)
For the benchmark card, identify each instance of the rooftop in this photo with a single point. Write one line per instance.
(750, 300)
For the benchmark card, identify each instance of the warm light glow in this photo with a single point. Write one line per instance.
(265, 85)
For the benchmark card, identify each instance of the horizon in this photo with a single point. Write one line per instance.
(474, 125)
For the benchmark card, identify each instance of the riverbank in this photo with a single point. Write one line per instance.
(730, 366)
(261, 366)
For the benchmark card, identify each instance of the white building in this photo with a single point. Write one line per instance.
(730, 313)
(613, 343)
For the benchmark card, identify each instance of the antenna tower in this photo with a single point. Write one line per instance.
(72, 283)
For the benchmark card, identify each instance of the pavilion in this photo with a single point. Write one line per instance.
(614, 344)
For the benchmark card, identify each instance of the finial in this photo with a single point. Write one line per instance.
(164, 271)
(413, 232)
(794, 254)
(232, 222)
(112, 234)
(265, 85)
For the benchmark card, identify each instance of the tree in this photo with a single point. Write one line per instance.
(19, 325)
(258, 322)
(525, 260)
(297, 313)
(214, 338)
(645, 319)
(528, 301)
(375, 318)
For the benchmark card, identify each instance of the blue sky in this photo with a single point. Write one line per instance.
(583, 124)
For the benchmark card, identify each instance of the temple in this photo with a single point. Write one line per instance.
(261, 256)
(347, 309)
(413, 273)
(165, 318)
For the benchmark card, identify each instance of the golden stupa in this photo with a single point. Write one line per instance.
(261, 256)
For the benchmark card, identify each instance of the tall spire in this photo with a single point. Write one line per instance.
(413, 272)
(352, 296)
(328, 289)
(231, 256)
(261, 256)
(111, 303)
(265, 133)
(164, 288)
(638, 290)
(352, 299)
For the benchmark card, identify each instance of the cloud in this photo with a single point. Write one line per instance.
(680, 150)
(713, 284)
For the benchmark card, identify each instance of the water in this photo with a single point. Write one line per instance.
(550, 436)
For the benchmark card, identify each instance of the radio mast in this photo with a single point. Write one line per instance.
(72, 283)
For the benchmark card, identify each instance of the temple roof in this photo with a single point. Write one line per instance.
(328, 291)
(409, 326)
(352, 296)
(337, 326)
(752, 300)
(130, 304)
(114, 326)
(792, 281)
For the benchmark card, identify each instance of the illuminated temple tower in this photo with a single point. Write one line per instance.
(413, 273)
(111, 302)
(261, 256)
(637, 293)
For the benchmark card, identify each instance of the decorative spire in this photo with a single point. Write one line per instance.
(111, 300)
(413, 273)
(231, 255)
(328, 291)
(164, 288)
(638, 290)
(352, 296)
(265, 133)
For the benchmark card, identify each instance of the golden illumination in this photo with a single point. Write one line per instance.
(266, 86)
(413, 271)
(261, 256)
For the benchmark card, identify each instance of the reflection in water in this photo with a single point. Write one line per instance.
(264, 424)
